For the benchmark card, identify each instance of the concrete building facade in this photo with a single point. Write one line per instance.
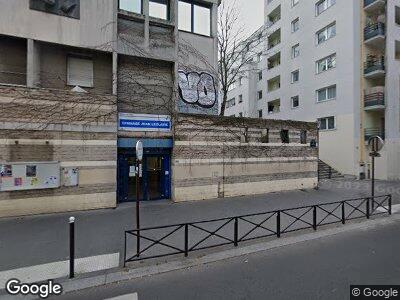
(82, 81)
(334, 61)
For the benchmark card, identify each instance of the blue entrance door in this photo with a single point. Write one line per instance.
(155, 183)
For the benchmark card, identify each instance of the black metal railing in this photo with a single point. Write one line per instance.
(373, 30)
(374, 64)
(183, 238)
(370, 132)
(374, 99)
(369, 2)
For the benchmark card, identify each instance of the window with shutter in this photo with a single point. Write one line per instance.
(80, 71)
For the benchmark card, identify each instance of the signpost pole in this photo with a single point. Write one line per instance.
(139, 157)
(373, 180)
(137, 209)
(376, 144)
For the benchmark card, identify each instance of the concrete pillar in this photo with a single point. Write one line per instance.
(115, 72)
(33, 64)
(214, 32)
(146, 24)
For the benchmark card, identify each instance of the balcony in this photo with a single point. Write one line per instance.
(274, 39)
(374, 35)
(376, 131)
(274, 61)
(274, 84)
(374, 100)
(374, 67)
(274, 16)
(274, 106)
(374, 5)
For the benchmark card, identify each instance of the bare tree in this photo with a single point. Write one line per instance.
(236, 55)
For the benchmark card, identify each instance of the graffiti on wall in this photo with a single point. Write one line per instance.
(67, 8)
(197, 92)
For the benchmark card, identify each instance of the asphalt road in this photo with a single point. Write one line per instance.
(318, 269)
(35, 240)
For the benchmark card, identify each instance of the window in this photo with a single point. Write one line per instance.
(159, 9)
(295, 25)
(285, 136)
(260, 95)
(259, 57)
(325, 94)
(295, 51)
(80, 71)
(295, 101)
(260, 75)
(326, 63)
(295, 2)
(240, 98)
(327, 123)
(260, 115)
(303, 137)
(265, 137)
(326, 33)
(194, 18)
(231, 102)
(134, 6)
(202, 20)
(295, 76)
(232, 86)
(323, 5)
(397, 15)
(184, 16)
(240, 81)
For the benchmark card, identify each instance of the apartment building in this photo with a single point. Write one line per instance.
(334, 61)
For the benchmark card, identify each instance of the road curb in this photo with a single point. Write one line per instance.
(129, 274)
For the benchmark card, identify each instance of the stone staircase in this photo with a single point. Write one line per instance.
(325, 171)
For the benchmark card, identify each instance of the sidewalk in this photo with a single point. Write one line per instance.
(38, 240)
(102, 279)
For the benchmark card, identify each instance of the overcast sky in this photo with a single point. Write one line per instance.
(251, 12)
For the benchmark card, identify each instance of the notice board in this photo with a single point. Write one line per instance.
(29, 176)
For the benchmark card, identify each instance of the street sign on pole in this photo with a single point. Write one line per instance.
(376, 143)
(139, 150)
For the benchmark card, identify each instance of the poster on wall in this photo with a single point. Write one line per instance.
(6, 171)
(198, 93)
(29, 176)
(70, 176)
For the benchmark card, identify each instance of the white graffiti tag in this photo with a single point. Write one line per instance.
(197, 88)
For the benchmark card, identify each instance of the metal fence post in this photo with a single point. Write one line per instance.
(278, 223)
(390, 204)
(367, 208)
(235, 233)
(186, 240)
(71, 247)
(315, 217)
(343, 214)
(125, 251)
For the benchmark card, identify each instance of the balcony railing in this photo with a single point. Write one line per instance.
(374, 99)
(374, 30)
(374, 64)
(369, 2)
(370, 132)
(274, 43)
